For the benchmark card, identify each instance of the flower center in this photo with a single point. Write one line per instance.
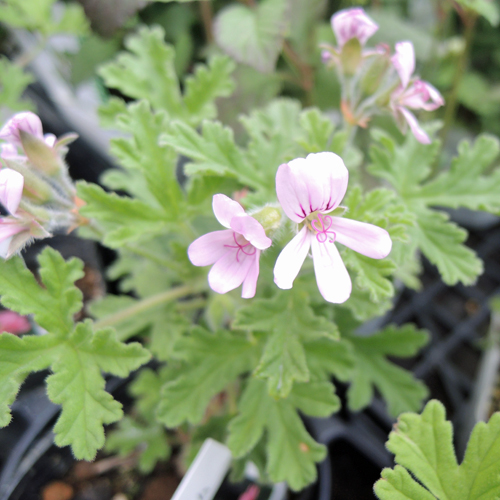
(322, 225)
(242, 247)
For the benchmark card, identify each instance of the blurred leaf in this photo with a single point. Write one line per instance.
(13, 82)
(399, 388)
(423, 445)
(291, 452)
(253, 35)
(486, 8)
(214, 360)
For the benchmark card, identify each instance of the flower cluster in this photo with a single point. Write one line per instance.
(35, 187)
(372, 80)
(309, 190)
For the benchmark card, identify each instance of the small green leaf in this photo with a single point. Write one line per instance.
(212, 361)
(441, 242)
(147, 72)
(53, 306)
(423, 445)
(126, 219)
(400, 389)
(150, 440)
(205, 85)
(78, 385)
(214, 152)
(18, 358)
(253, 35)
(291, 451)
(289, 321)
(318, 130)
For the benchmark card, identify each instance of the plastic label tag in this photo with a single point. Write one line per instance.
(206, 473)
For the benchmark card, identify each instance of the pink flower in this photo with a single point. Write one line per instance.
(18, 228)
(12, 322)
(308, 189)
(25, 121)
(251, 493)
(415, 94)
(352, 23)
(234, 252)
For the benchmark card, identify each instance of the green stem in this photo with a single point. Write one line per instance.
(145, 304)
(469, 19)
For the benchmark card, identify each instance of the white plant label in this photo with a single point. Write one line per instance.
(206, 473)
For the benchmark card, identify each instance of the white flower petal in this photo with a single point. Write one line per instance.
(291, 258)
(364, 238)
(316, 183)
(210, 247)
(250, 281)
(404, 61)
(332, 277)
(251, 230)
(225, 209)
(11, 189)
(229, 271)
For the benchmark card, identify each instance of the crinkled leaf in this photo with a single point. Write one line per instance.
(423, 446)
(149, 440)
(126, 219)
(205, 85)
(327, 357)
(399, 388)
(441, 242)
(318, 130)
(147, 71)
(465, 184)
(13, 82)
(78, 385)
(52, 305)
(18, 358)
(291, 452)
(288, 320)
(211, 362)
(253, 35)
(141, 152)
(214, 151)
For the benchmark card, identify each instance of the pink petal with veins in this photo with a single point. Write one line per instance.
(332, 277)
(364, 238)
(352, 23)
(210, 247)
(11, 189)
(230, 271)
(252, 231)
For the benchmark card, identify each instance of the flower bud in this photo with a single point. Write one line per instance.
(351, 56)
(27, 122)
(269, 218)
(40, 153)
(351, 24)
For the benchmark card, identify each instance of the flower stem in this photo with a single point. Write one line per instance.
(145, 304)
(206, 16)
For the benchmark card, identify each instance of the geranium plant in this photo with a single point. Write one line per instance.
(313, 224)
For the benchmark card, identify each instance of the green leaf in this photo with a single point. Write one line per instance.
(214, 151)
(149, 440)
(78, 385)
(318, 130)
(13, 82)
(141, 152)
(289, 321)
(489, 10)
(253, 35)
(211, 362)
(465, 184)
(18, 358)
(147, 72)
(327, 357)
(126, 219)
(399, 388)
(441, 242)
(291, 451)
(423, 446)
(52, 305)
(205, 85)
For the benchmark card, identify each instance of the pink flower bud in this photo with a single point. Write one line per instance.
(12, 322)
(352, 23)
(27, 122)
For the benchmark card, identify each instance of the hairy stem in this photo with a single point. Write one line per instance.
(145, 304)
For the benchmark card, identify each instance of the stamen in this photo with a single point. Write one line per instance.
(241, 248)
(323, 232)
